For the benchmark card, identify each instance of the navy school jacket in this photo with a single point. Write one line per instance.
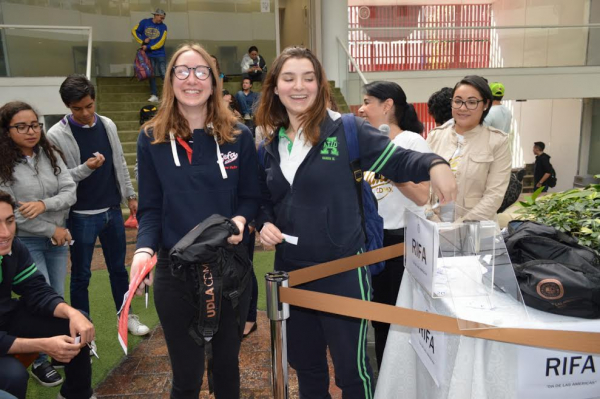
(321, 206)
(175, 199)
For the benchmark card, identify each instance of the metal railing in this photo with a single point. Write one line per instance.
(51, 33)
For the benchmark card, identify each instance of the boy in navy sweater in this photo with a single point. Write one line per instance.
(40, 314)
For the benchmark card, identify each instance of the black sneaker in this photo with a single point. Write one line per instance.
(57, 365)
(46, 375)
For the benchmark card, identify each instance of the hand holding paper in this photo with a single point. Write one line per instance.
(136, 287)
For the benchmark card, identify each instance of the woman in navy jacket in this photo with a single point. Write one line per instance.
(194, 160)
(309, 193)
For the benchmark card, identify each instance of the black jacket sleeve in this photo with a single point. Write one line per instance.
(31, 285)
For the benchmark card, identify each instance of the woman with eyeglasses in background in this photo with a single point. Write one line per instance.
(33, 172)
(479, 155)
(194, 161)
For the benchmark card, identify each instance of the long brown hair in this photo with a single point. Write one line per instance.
(169, 118)
(10, 154)
(271, 112)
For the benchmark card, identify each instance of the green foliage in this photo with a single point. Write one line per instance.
(575, 211)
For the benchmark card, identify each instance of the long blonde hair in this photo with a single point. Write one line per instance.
(169, 117)
(271, 112)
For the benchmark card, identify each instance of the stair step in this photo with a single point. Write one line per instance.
(132, 124)
(130, 158)
(119, 80)
(124, 97)
(105, 106)
(123, 115)
(129, 147)
(129, 136)
(126, 88)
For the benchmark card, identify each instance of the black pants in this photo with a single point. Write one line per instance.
(14, 377)
(173, 299)
(385, 289)
(310, 333)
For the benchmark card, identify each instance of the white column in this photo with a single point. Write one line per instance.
(334, 23)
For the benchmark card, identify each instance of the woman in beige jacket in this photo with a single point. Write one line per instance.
(479, 155)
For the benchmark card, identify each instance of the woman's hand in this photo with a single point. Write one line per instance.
(61, 236)
(138, 262)
(31, 209)
(271, 235)
(240, 222)
(443, 183)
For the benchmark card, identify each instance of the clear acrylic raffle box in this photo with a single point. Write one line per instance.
(465, 262)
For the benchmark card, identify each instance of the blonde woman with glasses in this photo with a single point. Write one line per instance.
(194, 161)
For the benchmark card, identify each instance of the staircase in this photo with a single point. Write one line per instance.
(120, 99)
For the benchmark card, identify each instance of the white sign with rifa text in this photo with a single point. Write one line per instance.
(552, 374)
(430, 346)
(421, 247)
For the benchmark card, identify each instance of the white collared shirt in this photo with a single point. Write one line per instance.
(292, 154)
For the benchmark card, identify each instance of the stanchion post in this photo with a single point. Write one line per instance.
(278, 313)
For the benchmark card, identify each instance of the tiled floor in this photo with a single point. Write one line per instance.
(146, 372)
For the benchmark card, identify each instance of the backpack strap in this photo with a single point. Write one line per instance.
(349, 122)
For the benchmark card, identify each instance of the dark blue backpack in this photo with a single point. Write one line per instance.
(372, 223)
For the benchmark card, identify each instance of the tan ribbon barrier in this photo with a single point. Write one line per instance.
(576, 341)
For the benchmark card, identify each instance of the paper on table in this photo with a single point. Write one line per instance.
(290, 239)
(124, 311)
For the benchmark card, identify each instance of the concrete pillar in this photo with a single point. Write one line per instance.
(334, 23)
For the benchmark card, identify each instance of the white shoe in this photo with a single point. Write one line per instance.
(135, 326)
(153, 99)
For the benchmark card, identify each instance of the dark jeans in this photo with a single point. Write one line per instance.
(386, 286)
(254, 296)
(14, 376)
(159, 68)
(85, 229)
(176, 310)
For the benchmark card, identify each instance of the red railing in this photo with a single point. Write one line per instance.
(395, 49)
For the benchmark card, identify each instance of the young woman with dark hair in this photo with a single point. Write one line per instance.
(194, 160)
(385, 103)
(479, 155)
(309, 193)
(33, 172)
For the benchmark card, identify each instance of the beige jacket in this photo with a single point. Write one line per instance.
(483, 172)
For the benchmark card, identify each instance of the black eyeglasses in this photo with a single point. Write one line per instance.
(471, 104)
(182, 72)
(23, 128)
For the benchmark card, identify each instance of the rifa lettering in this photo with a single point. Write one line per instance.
(428, 338)
(569, 365)
(419, 251)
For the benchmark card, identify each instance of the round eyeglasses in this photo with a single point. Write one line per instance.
(182, 72)
(471, 104)
(23, 128)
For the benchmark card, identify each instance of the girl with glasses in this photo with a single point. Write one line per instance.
(194, 160)
(479, 155)
(33, 172)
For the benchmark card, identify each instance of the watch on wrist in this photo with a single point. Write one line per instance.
(132, 197)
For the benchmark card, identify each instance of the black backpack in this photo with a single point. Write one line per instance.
(147, 112)
(555, 273)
